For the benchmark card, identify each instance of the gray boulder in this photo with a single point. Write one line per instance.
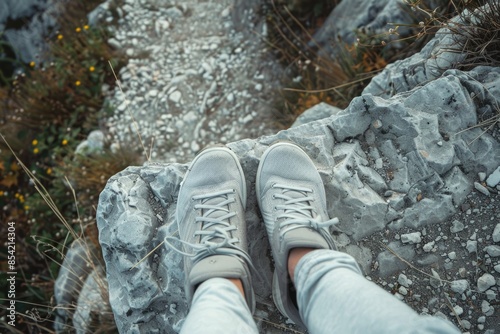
(319, 111)
(425, 152)
(36, 20)
(80, 290)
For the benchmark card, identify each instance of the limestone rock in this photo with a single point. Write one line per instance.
(424, 66)
(492, 250)
(94, 144)
(494, 178)
(363, 256)
(319, 111)
(368, 17)
(420, 157)
(485, 282)
(79, 263)
(459, 286)
(457, 183)
(496, 233)
(389, 263)
(411, 238)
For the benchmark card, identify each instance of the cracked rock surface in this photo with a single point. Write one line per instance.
(398, 173)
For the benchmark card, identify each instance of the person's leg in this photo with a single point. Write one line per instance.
(292, 201)
(210, 216)
(334, 297)
(219, 307)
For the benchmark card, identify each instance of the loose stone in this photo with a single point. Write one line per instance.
(479, 187)
(411, 238)
(496, 233)
(459, 286)
(494, 178)
(485, 282)
(492, 250)
(471, 246)
(456, 226)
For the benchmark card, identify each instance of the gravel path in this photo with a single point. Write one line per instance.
(192, 79)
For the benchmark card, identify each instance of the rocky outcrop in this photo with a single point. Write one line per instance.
(80, 290)
(370, 18)
(401, 162)
(23, 26)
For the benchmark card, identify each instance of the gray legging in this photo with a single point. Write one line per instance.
(332, 295)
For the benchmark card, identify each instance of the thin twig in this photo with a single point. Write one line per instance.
(137, 128)
(328, 89)
(411, 265)
(147, 255)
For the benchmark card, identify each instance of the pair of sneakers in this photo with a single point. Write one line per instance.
(211, 218)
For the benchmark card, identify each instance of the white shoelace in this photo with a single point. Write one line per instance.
(214, 225)
(298, 212)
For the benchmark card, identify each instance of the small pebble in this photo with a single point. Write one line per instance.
(456, 226)
(494, 178)
(485, 282)
(492, 250)
(428, 246)
(491, 295)
(458, 310)
(459, 286)
(471, 246)
(411, 238)
(479, 187)
(496, 233)
(466, 324)
(403, 280)
(175, 96)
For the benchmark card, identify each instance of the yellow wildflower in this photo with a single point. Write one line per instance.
(64, 142)
(60, 36)
(17, 195)
(49, 171)
(77, 83)
(34, 142)
(35, 150)
(78, 29)
(26, 207)
(86, 27)
(32, 64)
(91, 68)
(1, 193)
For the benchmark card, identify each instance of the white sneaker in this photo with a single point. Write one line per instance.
(211, 219)
(292, 201)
